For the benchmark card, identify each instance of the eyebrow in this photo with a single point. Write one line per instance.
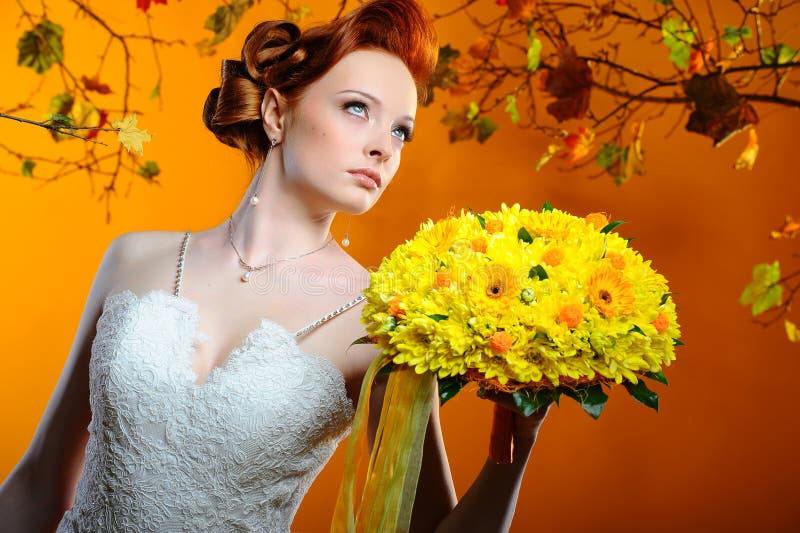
(374, 99)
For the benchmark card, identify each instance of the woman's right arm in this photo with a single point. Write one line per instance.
(40, 488)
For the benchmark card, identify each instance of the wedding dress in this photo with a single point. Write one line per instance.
(236, 453)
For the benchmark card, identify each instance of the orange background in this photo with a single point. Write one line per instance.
(720, 454)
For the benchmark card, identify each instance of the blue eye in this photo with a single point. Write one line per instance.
(404, 134)
(356, 108)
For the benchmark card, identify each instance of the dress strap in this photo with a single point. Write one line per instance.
(330, 315)
(179, 275)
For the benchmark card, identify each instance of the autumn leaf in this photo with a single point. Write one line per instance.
(461, 129)
(483, 49)
(27, 168)
(534, 53)
(699, 58)
(149, 170)
(93, 84)
(204, 48)
(788, 230)
(570, 82)
(144, 5)
(130, 135)
(748, 156)
(520, 9)
(622, 163)
(444, 76)
(298, 14)
(577, 145)
(41, 47)
(511, 108)
(792, 333)
(719, 111)
(225, 18)
(100, 123)
(552, 150)
(485, 127)
(678, 37)
(764, 292)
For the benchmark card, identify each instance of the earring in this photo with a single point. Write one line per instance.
(346, 240)
(272, 143)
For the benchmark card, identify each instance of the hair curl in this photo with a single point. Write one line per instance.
(277, 54)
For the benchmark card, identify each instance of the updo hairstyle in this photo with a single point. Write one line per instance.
(277, 54)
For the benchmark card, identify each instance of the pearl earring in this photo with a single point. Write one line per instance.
(272, 143)
(346, 240)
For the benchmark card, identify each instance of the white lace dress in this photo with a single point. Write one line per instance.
(237, 453)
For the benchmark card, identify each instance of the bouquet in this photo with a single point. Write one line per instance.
(534, 304)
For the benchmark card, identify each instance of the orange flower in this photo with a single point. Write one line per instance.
(395, 309)
(479, 245)
(571, 315)
(494, 226)
(597, 220)
(443, 278)
(553, 256)
(617, 260)
(610, 293)
(661, 323)
(501, 341)
(788, 230)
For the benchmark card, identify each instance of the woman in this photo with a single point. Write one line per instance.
(201, 414)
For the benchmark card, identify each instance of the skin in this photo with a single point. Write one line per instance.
(342, 121)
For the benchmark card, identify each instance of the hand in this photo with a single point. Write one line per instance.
(526, 428)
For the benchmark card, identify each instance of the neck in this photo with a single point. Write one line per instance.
(281, 225)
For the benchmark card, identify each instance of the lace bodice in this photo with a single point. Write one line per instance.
(236, 453)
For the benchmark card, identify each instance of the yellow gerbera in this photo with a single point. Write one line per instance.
(610, 293)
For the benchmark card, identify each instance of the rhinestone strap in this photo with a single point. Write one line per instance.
(330, 315)
(180, 263)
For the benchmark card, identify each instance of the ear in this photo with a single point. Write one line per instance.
(274, 110)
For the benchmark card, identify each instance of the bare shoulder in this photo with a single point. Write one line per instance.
(144, 260)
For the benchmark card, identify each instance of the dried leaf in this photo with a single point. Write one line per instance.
(483, 49)
(461, 129)
(225, 18)
(748, 156)
(552, 150)
(719, 111)
(444, 76)
(699, 58)
(130, 135)
(485, 127)
(149, 170)
(41, 47)
(144, 5)
(789, 230)
(792, 333)
(520, 9)
(102, 122)
(298, 14)
(93, 84)
(204, 48)
(577, 145)
(570, 82)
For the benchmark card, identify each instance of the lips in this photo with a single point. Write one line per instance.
(367, 173)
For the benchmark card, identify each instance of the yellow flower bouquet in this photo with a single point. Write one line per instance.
(534, 304)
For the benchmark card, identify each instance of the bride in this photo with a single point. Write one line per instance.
(190, 400)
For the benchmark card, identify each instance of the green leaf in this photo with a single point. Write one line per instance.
(642, 394)
(657, 376)
(524, 236)
(676, 342)
(611, 225)
(472, 111)
(449, 387)
(534, 53)
(485, 127)
(637, 329)
(664, 298)
(443, 76)
(733, 35)
(156, 92)
(529, 401)
(541, 335)
(678, 37)
(438, 317)
(27, 168)
(60, 120)
(511, 108)
(664, 2)
(481, 220)
(361, 340)
(149, 170)
(41, 47)
(591, 399)
(764, 292)
(61, 104)
(557, 396)
(607, 155)
(223, 21)
(538, 272)
(546, 207)
(778, 54)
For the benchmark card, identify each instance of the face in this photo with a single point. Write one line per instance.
(346, 131)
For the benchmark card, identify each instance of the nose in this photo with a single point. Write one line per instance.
(380, 146)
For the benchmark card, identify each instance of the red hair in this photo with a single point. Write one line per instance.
(277, 54)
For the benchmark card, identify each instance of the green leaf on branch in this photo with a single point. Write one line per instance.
(472, 111)
(486, 127)
(642, 394)
(61, 104)
(534, 53)
(443, 76)
(42, 47)
(733, 35)
(528, 401)
(27, 168)
(678, 37)
(764, 292)
(657, 376)
(591, 399)
(608, 155)
(778, 55)
(60, 120)
(149, 170)
(223, 21)
(449, 387)
(511, 108)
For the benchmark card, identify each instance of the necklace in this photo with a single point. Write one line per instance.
(249, 269)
